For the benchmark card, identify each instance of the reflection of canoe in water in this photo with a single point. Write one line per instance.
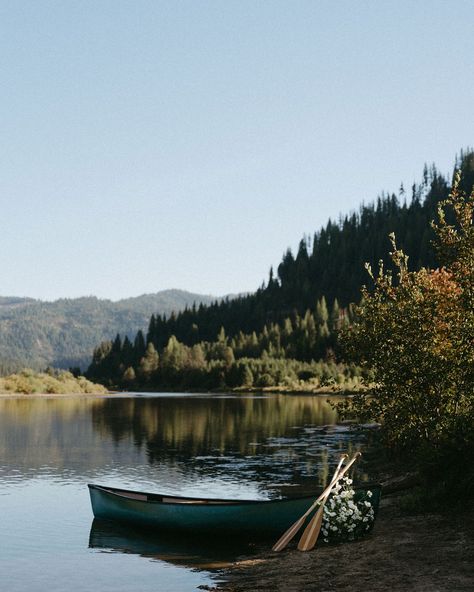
(170, 513)
(189, 551)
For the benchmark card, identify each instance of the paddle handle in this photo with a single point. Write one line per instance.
(328, 489)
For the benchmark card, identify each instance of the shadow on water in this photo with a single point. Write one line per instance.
(197, 551)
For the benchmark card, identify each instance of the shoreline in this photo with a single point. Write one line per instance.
(55, 395)
(420, 553)
(328, 391)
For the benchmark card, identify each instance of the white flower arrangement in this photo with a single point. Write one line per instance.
(344, 517)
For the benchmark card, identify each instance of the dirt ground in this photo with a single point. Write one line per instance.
(422, 553)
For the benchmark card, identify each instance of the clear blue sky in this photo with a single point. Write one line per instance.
(151, 145)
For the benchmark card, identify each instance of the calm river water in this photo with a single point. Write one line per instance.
(246, 446)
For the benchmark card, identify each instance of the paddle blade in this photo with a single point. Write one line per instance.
(311, 532)
(289, 534)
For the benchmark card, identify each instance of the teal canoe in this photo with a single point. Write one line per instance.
(225, 516)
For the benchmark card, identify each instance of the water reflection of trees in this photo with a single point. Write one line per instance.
(271, 439)
(197, 425)
(48, 432)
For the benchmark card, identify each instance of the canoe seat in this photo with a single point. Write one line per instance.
(180, 500)
(201, 502)
(138, 496)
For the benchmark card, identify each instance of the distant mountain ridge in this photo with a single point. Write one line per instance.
(63, 333)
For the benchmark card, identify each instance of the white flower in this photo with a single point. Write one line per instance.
(343, 517)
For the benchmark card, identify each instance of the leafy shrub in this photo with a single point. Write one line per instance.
(416, 335)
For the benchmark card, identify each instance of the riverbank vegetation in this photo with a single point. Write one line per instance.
(29, 382)
(415, 332)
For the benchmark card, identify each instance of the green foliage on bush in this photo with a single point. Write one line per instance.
(416, 333)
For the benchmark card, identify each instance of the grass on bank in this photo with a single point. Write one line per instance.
(59, 382)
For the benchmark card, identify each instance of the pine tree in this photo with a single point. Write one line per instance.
(139, 345)
(322, 314)
(335, 315)
(247, 376)
(149, 363)
(129, 376)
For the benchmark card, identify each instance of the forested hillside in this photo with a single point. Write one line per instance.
(63, 333)
(295, 315)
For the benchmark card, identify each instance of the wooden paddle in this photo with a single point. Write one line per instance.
(290, 533)
(312, 530)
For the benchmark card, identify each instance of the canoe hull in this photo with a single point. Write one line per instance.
(198, 515)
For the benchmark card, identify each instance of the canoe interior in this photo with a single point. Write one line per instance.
(191, 514)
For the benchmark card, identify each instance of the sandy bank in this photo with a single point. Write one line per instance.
(422, 553)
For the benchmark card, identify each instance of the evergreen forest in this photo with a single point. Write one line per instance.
(285, 334)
